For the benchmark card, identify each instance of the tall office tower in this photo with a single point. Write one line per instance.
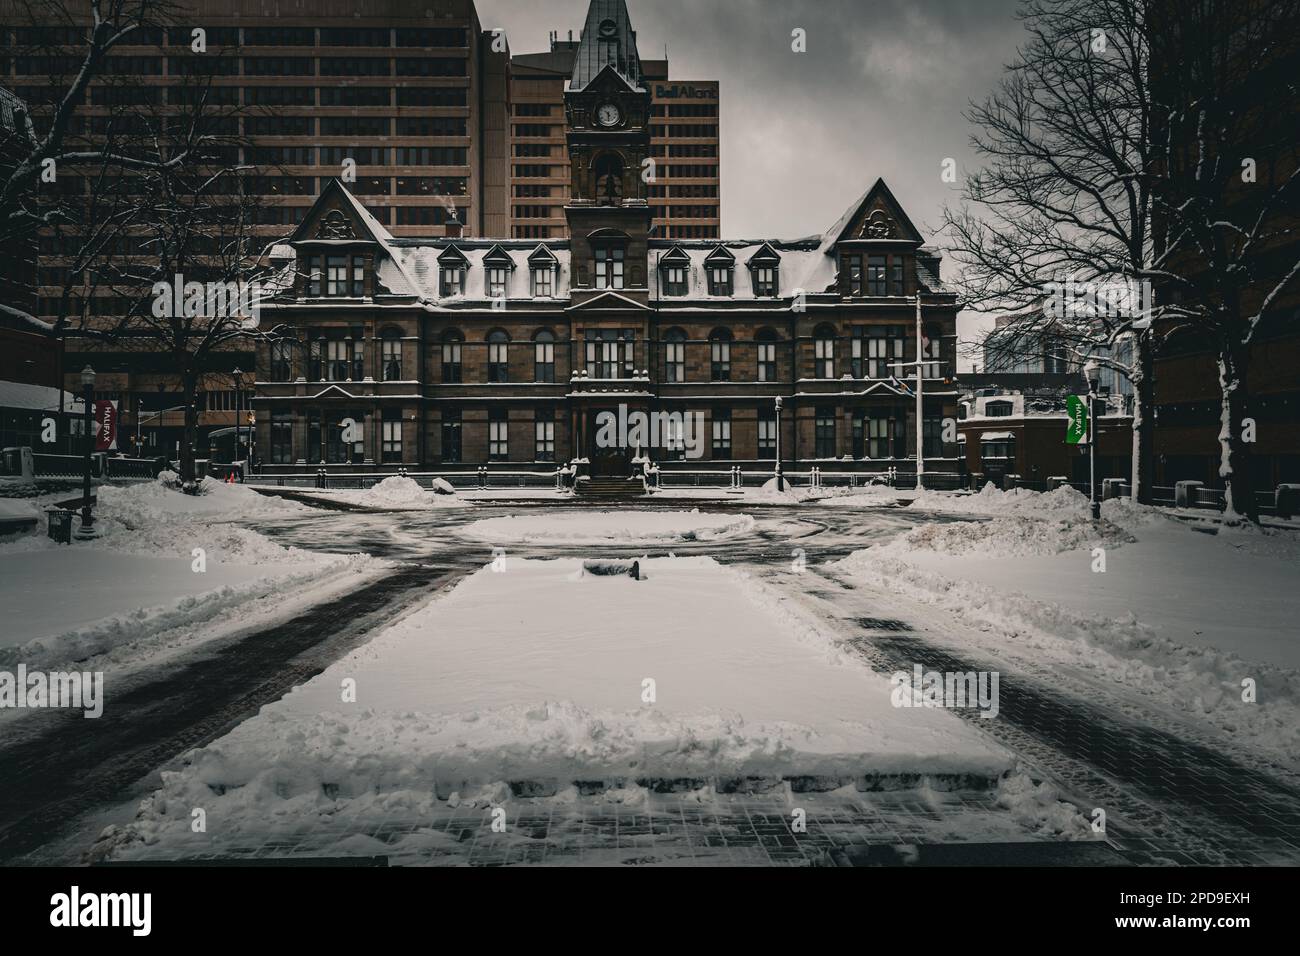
(685, 191)
(408, 96)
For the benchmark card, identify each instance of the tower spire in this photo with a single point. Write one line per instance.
(607, 40)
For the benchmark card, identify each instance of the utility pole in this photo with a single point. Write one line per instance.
(920, 407)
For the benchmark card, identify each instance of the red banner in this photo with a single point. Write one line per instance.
(105, 426)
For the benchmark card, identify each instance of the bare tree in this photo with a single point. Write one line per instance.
(72, 40)
(1117, 148)
(194, 289)
(1065, 194)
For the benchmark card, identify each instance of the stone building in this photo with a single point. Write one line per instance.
(457, 352)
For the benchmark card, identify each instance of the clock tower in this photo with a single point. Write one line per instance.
(608, 120)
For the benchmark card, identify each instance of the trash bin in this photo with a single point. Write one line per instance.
(60, 525)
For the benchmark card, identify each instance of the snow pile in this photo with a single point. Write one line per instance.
(1177, 616)
(536, 673)
(611, 527)
(396, 491)
(161, 501)
(773, 489)
(18, 508)
(1040, 809)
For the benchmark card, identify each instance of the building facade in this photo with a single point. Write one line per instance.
(462, 352)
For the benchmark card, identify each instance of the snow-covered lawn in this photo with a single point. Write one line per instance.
(610, 527)
(166, 570)
(543, 672)
(1179, 615)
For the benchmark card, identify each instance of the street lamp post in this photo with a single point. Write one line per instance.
(1092, 372)
(237, 374)
(780, 481)
(87, 529)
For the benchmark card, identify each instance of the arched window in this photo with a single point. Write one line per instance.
(451, 348)
(766, 340)
(498, 356)
(824, 352)
(544, 356)
(390, 353)
(675, 356)
(720, 355)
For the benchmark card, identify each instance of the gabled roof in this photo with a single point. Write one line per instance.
(608, 40)
(720, 254)
(372, 229)
(497, 255)
(764, 253)
(675, 254)
(878, 193)
(542, 254)
(452, 254)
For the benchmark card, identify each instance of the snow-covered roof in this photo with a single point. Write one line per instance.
(412, 266)
(40, 398)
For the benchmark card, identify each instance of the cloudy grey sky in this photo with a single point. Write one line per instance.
(880, 92)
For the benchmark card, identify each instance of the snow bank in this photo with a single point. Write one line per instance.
(164, 562)
(1179, 616)
(396, 493)
(610, 527)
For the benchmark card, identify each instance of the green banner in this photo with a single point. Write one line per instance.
(1076, 433)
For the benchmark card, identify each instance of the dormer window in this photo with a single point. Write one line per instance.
(719, 280)
(543, 281)
(336, 276)
(763, 270)
(497, 266)
(998, 409)
(451, 272)
(674, 279)
(543, 270)
(453, 280)
(720, 266)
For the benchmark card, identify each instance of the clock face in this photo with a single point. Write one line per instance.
(608, 115)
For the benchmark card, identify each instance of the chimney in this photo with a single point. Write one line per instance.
(453, 227)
